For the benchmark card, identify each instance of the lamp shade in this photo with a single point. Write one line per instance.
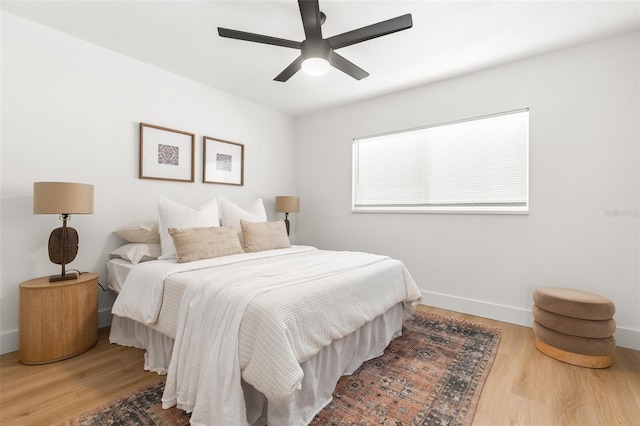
(62, 197)
(287, 204)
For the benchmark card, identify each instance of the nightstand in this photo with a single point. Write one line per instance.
(57, 320)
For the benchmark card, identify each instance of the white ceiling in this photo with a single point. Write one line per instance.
(448, 38)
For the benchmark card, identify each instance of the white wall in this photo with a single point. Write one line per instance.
(70, 112)
(582, 230)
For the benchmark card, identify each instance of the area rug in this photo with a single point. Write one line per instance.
(432, 375)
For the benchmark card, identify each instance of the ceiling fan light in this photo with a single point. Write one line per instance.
(315, 66)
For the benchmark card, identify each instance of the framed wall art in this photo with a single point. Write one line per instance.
(166, 154)
(223, 162)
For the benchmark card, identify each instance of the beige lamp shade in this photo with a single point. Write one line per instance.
(287, 204)
(62, 197)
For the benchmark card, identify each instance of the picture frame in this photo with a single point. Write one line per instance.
(166, 154)
(223, 162)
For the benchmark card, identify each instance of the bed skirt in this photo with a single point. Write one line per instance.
(321, 372)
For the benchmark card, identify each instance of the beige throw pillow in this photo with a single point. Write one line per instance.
(144, 232)
(264, 236)
(204, 243)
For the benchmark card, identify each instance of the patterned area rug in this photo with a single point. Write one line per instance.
(432, 375)
(142, 408)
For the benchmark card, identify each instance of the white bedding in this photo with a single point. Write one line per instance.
(303, 300)
(117, 271)
(141, 298)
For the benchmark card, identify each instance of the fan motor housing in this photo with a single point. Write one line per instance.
(315, 49)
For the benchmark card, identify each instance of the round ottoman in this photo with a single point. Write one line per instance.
(574, 326)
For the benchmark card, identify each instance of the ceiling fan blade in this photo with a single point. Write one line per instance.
(289, 71)
(258, 38)
(347, 66)
(310, 13)
(371, 31)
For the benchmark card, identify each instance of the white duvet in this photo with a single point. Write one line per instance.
(302, 299)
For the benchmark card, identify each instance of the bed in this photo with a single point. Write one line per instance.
(258, 337)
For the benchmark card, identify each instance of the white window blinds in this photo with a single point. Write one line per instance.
(475, 165)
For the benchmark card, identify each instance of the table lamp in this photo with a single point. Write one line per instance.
(287, 204)
(64, 199)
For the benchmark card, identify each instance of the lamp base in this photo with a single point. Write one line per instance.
(65, 277)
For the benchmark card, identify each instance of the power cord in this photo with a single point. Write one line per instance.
(80, 273)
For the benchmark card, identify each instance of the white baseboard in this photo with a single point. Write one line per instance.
(9, 341)
(625, 337)
(104, 318)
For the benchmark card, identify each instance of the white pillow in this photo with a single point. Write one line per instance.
(231, 214)
(174, 215)
(137, 252)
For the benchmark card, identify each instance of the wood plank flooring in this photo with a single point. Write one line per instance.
(524, 386)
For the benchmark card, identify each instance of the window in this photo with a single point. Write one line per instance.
(479, 165)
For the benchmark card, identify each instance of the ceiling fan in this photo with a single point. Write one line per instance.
(317, 53)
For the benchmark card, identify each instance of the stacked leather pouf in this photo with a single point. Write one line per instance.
(574, 326)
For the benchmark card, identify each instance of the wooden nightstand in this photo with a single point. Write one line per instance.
(57, 320)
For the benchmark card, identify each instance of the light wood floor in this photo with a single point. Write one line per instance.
(524, 386)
